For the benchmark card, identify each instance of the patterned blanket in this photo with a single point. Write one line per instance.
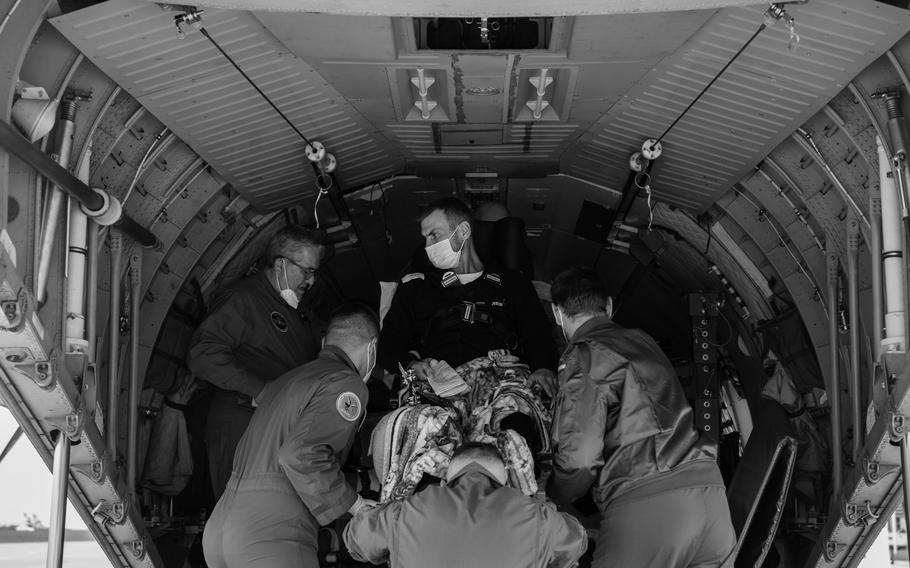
(500, 408)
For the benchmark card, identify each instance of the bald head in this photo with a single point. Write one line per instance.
(484, 455)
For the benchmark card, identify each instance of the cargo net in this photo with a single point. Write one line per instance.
(488, 400)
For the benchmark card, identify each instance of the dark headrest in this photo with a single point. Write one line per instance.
(502, 243)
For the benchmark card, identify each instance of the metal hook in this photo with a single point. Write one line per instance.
(323, 191)
(323, 188)
(193, 18)
(872, 515)
(642, 175)
(776, 13)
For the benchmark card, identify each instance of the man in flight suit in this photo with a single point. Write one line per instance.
(474, 520)
(253, 335)
(459, 309)
(622, 429)
(287, 478)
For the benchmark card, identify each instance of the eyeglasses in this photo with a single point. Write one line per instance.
(308, 272)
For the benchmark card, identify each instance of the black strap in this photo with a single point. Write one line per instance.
(174, 405)
(471, 313)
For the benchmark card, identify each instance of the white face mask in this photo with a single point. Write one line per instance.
(287, 294)
(443, 255)
(557, 315)
(366, 377)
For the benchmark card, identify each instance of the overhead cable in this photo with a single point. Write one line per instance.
(323, 163)
(774, 13)
(205, 32)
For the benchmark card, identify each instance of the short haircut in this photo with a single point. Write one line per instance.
(579, 290)
(351, 324)
(455, 210)
(485, 455)
(289, 239)
(477, 451)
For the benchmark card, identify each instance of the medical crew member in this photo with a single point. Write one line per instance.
(287, 478)
(474, 520)
(623, 430)
(252, 335)
(459, 309)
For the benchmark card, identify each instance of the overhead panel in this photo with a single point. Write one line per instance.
(468, 8)
(763, 96)
(474, 74)
(194, 90)
(543, 94)
(482, 142)
(445, 109)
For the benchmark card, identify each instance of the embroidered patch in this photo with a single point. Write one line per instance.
(412, 276)
(279, 322)
(348, 406)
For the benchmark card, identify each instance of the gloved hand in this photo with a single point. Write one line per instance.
(362, 504)
(546, 380)
(422, 367)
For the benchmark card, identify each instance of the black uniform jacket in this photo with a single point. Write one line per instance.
(252, 336)
(434, 316)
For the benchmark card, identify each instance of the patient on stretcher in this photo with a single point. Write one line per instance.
(485, 400)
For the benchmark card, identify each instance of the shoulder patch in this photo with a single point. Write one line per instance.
(412, 276)
(493, 277)
(279, 322)
(348, 405)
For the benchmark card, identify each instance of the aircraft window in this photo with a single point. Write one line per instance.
(483, 33)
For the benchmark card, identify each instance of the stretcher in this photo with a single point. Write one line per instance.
(414, 443)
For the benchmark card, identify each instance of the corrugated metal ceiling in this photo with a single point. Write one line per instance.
(196, 92)
(768, 92)
(443, 8)
(349, 103)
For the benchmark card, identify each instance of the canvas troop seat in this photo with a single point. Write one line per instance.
(418, 439)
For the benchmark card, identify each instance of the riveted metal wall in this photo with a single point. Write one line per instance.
(683, 224)
(126, 541)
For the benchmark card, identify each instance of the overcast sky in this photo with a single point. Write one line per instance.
(25, 482)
